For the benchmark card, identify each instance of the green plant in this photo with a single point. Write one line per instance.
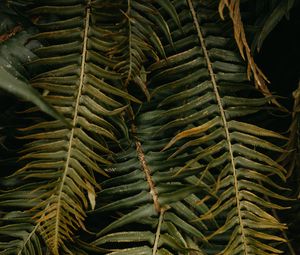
(156, 147)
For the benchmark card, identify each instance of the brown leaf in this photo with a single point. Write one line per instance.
(260, 79)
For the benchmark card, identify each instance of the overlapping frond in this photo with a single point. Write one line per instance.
(135, 39)
(201, 92)
(152, 197)
(202, 89)
(144, 187)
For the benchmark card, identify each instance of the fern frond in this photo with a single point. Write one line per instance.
(19, 235)
(18, 231)
(229, 145)
(71, 72)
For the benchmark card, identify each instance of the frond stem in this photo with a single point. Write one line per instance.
(223, 117)
(143, 162)
(28, 238)
(157, 235)
(147, 171)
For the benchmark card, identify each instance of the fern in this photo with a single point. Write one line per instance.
(159, 144)
(14, 241)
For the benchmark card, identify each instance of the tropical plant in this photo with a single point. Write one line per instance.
(151, 139)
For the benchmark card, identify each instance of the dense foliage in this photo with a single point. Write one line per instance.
(144, 127)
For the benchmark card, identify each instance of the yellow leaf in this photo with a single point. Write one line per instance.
(91, 194)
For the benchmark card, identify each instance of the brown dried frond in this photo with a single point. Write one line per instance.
(260, 79)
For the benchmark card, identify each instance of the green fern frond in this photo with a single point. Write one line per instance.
(19, 235)
(237, 151)
(18, 231)
(71, 71)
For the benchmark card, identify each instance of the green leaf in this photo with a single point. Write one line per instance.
(22, 89)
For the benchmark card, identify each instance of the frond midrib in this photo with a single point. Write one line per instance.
(28, 238)
(74, 122)
(146, 170)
